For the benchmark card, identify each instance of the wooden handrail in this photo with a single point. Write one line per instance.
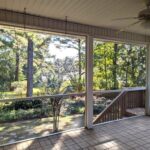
(96, 93)
(43, 97)
(119, 90)
(128, 98)
(115, 109)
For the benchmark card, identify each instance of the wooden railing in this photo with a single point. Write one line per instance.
(135, 98)
(35, 107)
(43, 97)
(128, 98)
(121, 100)
(115, 110)
(109, 94)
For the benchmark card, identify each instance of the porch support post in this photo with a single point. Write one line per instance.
(89, 83)
(147, 103)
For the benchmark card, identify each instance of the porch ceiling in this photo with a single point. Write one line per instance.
(91, 12)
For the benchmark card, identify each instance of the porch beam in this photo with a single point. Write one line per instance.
(147, 103)
(34, 22)
(89, 83)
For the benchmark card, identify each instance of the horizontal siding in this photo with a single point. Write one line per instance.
(48, 24)
(92, 12)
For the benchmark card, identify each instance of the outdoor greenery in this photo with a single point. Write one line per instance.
(116, 65)
(30, 66)
(51, 75)
(119, 65)
(40, 108)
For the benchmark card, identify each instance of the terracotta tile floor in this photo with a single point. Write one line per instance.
(129, 134)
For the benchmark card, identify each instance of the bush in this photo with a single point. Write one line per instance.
(77, 107)
(19, 86)
(98, 108)
(77, 110)
(21, 114)
(23, 110)
(26, 104)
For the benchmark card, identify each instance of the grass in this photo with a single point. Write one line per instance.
(12, 94)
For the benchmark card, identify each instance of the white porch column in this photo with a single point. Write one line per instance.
(89, 83)
(147, 103)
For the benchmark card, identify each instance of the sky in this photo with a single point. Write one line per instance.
(62, 47)
(62, 52)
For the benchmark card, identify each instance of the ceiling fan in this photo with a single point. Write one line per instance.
(143, 18)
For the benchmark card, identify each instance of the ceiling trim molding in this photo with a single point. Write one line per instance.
(19, 19)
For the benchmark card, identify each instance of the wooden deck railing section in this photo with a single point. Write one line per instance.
(114, 111)
(109, 94)
(42, 106)
(122, 100)
(128, 98)
(135, 98)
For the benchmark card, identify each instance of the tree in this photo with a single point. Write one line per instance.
(118, 65)
(103, 62)
(115, 64)
(30, 69)
(114, 71)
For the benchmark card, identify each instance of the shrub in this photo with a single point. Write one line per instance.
(19, 86)
(77, 107)
(26, 104)
(98, 108)
(21, 114)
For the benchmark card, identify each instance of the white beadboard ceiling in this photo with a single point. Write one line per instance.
(92, 12)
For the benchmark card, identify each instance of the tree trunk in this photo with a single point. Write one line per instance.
(127, 67)
(79, 48)
(115, 86)
(105, 69)
(133, 77)
(17, 66)
(126, 77)
(17, 59)
(30, 69)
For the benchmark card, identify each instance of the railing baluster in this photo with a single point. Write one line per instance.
(118, 110)
(130, 98)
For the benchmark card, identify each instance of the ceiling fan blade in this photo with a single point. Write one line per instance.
(130, 25)
(147, 2)
(126, 18)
